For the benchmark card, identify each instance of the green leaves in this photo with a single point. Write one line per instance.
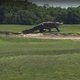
(25, 12)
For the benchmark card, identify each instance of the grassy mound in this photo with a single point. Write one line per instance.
(37, 59)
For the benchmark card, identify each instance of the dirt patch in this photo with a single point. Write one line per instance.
(51, 36)
(43, 35)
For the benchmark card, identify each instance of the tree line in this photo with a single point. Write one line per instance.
(24, 12)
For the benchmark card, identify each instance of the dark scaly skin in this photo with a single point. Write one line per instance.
(43, 26)
(50, 25)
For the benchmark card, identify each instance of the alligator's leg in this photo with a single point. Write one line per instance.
(42, 30)
(49, 29)
(57, 29)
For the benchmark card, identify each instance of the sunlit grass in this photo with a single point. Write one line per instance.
(38, 59)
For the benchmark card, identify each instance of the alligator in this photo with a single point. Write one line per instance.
(43, 26)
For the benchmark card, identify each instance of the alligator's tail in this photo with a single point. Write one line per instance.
(30, 30)
(27, 31)
(35, 28)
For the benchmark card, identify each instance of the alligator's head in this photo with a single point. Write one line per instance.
(59, 23)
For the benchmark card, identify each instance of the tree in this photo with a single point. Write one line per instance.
(25, 12)
(1, 14)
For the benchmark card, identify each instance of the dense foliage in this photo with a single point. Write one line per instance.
(24, 12)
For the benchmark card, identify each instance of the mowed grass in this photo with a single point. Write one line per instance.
(14, 28)
(37, 59)
(74, 28)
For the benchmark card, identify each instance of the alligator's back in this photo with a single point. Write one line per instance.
(50, 25)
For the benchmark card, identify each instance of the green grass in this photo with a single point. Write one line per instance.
(37, 59)
(14, 28)
(74, 28)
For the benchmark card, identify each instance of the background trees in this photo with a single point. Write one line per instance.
(24, 12)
